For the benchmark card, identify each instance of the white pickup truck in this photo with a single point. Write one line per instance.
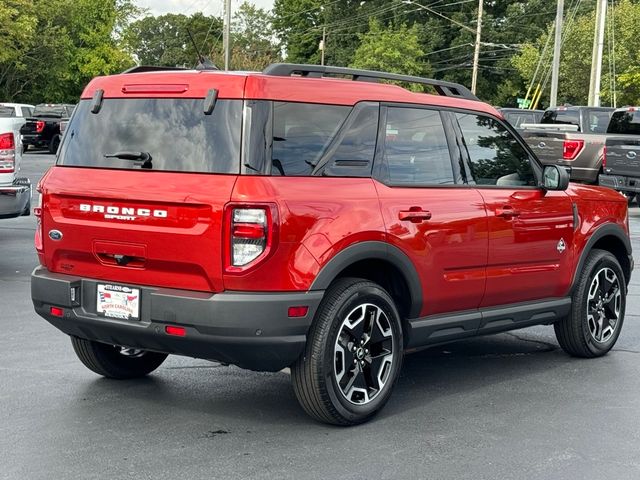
(15, 192)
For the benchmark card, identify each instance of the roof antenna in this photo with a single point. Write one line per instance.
(203, 62)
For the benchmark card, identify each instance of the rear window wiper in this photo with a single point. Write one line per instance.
(145, 157)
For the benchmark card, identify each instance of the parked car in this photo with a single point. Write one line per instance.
(329, 225)
(621, 164)
(518, 116)
(15, 192)
(43, 128)
(572, 137)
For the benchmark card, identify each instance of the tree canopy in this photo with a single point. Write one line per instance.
(50, 49)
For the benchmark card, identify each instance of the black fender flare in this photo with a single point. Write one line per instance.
(379, 251)
(607, 230)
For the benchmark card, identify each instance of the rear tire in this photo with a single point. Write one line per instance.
(116, 362)
(54, 144)
(353, 354)
(598, 303)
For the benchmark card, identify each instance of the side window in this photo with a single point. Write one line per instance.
(26, 112)
(301, 134)
(415, 149)
(496, 157)
(598, 121)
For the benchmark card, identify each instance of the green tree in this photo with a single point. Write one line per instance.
(391, 49)
(164, 40)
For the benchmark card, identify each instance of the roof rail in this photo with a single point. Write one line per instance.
(151, 68)
(447, 89)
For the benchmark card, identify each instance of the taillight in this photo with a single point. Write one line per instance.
(39, 126)
(7, 153)
(571, 149)
(251, 234)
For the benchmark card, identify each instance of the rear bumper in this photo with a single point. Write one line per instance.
(14, 198)
(251, 330)
(620, 183)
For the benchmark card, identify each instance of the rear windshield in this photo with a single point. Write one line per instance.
(627, 122)
(564, 117)
(7, 112)
(50, 111)
(518, 118)
(175, 133)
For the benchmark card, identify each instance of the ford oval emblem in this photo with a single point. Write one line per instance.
(542, 145)
(55, 235)
(631, 155)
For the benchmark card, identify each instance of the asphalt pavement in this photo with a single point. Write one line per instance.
(510, 406)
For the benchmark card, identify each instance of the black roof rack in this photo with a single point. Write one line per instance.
(151, 68)
(447, 89)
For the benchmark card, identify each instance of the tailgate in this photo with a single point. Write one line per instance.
(623, 156)
(547, 146)
(148, 228)
(29, 127)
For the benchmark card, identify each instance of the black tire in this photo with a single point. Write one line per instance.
(575, 333)
(314, 375)
(108, 361)
(54, 144)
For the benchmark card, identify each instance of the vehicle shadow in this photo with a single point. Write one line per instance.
(228, 396)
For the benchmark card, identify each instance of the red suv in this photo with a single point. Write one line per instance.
(313, 218)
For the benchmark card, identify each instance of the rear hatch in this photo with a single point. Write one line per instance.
(139, 188)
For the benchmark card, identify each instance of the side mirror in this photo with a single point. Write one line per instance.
(555, 178)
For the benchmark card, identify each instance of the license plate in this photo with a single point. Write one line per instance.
(118, 301)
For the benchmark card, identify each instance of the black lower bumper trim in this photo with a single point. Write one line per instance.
(251, 330)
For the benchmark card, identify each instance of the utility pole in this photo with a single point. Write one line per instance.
(476, 53)
(323, 44)
(596, 60)
(227, 33)
(555, 71)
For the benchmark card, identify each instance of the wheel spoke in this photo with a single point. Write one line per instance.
(603, 305)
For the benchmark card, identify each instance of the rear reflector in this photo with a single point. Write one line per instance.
(57, 312)
(175, 331)
(298, 311)
(571, 149)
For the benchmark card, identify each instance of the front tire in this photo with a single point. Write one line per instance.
(353, 354)
(114, 361)
(598, 303)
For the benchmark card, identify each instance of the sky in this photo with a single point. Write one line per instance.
(188, 7)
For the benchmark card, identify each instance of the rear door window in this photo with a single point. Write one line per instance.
(416, 152)
(6, 112)
(176, 134)
(301, 134)
(496, 157)
(598, 120)
(26, 112)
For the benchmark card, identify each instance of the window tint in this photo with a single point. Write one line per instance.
(625, 122)
(175, 132)
(598, 121)
(416, 150)
(301, 134)
(565, 117)
(496, 157)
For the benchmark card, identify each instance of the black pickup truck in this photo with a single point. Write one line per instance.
(43, 129)
(621, 164)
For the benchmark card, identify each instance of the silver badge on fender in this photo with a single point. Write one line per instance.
(561, 246)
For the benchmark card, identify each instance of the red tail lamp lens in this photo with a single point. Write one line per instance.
(39, 126)
(571, 149)
(57, 312)
(175, 331)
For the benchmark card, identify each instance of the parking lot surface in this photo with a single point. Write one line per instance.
(510, 406)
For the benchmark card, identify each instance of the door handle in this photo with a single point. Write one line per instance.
(414, 215)
(507, 211)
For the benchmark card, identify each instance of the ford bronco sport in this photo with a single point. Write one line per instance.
(313, 218)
